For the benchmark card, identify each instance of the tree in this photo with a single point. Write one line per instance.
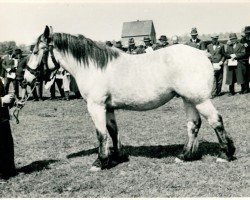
(6, 45)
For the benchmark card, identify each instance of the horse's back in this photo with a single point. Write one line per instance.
(153, 78)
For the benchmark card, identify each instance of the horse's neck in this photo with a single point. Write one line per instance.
(76, 68)
(67, 62)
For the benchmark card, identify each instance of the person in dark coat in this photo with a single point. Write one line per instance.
(195, 41)
(131, 46)
(2, 70)
(236, 72)
(215, 49)
(245, 40)
(163, 43)
(132, 49)
(10, 67)
(7, 164)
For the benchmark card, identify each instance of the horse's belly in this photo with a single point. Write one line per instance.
(141, 103)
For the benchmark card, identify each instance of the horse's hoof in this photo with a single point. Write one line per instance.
(95, 169)
(222, 160)
(178, 160)
(99, 164)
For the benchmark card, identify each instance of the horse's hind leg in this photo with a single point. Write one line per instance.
(193, 126)
(118, 154)
(98, 114)
(215, 120)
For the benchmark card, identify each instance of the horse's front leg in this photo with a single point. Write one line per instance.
(118, 154)
(98, 114)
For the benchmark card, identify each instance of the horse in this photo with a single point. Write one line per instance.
(109, 79)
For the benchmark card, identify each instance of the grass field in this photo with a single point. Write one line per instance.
(55, 145)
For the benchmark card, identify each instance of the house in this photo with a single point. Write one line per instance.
(138, 30)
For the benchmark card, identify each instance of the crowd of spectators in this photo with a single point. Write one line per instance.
(233, 56)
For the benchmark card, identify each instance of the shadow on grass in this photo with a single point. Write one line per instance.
(36, 166)
(159, 151)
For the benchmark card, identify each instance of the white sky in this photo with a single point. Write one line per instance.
(23, 22)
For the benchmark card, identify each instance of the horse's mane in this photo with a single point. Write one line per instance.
(84, 49)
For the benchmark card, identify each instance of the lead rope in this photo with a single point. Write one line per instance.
(20, 105)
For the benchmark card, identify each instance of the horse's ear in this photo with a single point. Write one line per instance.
(50, 31)
(46, 32)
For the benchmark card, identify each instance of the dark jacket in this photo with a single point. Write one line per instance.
(4, 111)
(246, 44)
(2, 70)
(217, 54)
(22, 63)
(8, 63)
(240, 69)
(198, 44)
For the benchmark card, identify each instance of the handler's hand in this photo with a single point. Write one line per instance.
(8, 98)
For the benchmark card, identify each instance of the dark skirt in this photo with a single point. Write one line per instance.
(7, 165)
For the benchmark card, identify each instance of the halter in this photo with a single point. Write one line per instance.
(49, 49)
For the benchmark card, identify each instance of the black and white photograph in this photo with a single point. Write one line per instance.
(124, 99)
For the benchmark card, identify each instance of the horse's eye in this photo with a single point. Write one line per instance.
(35, 52)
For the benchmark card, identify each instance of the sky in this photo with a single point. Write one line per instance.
(24, 22)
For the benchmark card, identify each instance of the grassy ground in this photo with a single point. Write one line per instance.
(55, 145)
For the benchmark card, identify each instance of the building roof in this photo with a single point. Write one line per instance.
(137, 28)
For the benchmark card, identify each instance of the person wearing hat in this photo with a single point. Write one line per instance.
(215, 49)
(140, 49)
(10, 64)
(236, 70)
(245, 40)
(108, 43)
(131, 46)
(163, 42)
(195, 41)
(7, 164)
(148, 46)
(118, 45)
(21, 66)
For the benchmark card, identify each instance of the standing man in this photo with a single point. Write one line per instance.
(131, 46)
(163, 42)
(148, 45)
(236, 70)
(245, 40)
(10, 65)
(7, 164)
(215, 49)
(195, 41)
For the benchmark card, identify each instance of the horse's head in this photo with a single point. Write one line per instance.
(40, 55)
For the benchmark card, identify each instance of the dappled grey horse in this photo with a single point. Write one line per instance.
(109, 79)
